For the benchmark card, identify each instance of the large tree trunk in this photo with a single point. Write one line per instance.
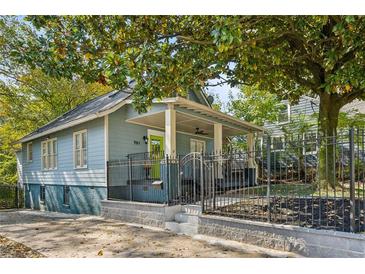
(329, 110)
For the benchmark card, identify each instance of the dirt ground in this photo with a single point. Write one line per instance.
(65, 235)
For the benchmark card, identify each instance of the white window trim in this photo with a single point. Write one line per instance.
(313, 152)
(200, 141)
(46, 141)
(282, 138)
(74, 146)
(155, 133)
(29, 161)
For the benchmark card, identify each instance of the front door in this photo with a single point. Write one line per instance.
(156, 153)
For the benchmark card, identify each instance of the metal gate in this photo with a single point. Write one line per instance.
(191, 175)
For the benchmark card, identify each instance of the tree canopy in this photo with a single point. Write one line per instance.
(288, 55)
(30, 98)
(254, 105)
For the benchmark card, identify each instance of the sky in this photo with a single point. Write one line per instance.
(223, 92)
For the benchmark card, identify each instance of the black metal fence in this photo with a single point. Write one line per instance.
(142, 177)
(155, 178)
(11, 196)
(307, 180)
(312, 182)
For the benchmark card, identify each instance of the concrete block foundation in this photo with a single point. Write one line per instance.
(304, 241)
(141, 213)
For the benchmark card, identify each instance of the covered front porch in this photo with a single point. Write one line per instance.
(181, 134)
(179, 116)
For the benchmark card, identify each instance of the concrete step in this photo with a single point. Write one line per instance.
(182, 217)
(182, 228)
(188, 229)
(192, 209)
(172, 226)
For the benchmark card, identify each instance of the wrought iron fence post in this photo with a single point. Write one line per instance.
(167, 178)
(107, 181)
(130, 178)
(352, 180)
(17, 196)
(201, 182)
(268, 188)
(213, 180)
(179, 179)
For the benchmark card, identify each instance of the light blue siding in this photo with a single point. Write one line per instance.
(93, 175)
(126, 138)
(87, 186)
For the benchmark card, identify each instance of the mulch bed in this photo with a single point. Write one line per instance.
(12, 249)
(324, 213)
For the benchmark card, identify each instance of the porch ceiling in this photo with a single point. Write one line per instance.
(187, 123)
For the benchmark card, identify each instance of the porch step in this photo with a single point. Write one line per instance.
(182, 228)
(192, 209)
(186, 218)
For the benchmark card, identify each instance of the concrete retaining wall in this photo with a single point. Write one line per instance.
(140, 213)
(307, 242)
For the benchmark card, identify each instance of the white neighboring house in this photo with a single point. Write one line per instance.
(306, 106)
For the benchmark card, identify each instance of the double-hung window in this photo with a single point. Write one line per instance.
(49, 154)
(284, 115)
(277, 143)
(310, 143)
(29, 152)
(197, 146)
(80, 149)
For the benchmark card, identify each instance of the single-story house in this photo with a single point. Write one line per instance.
(64, 163)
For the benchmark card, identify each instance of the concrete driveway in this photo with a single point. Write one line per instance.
(65, 235)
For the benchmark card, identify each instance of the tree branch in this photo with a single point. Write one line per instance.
(355, 94)
(350, 55)
(194, 41)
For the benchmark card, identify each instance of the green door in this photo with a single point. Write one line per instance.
(156, 152)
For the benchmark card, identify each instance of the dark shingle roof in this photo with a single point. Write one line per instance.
(94, 106)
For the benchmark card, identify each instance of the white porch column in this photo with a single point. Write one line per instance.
(218, 141)
(170, 131)
(218, 136)
(251, 150)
